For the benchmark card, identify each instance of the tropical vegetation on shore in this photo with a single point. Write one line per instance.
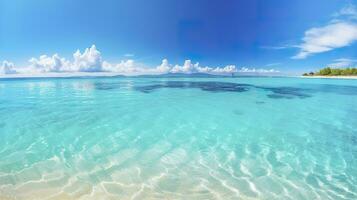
(328, 71)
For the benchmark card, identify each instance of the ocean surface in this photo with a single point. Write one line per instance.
(178, 138)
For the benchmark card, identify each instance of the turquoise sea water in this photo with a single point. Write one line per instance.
(178, 138)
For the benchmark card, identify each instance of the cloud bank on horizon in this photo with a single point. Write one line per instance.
(90, 61)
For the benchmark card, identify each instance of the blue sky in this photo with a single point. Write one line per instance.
(289, 36)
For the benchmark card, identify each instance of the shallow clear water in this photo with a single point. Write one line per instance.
(178, 138)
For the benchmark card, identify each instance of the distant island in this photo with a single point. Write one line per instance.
(332, 72)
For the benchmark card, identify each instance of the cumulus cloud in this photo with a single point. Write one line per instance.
(226, 69)
(343, 62)
(91, 61)
(340, 32)
(7, 68)
(49, 64)
(164, 67)
(124, 67)
(189, 68)
(88, 61)
(259, 70)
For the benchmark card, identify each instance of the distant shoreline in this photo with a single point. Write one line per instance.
(113, 75)
(331, 77)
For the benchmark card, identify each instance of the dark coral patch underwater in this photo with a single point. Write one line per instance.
(216, 86)
(205, 86)
(278, 92)
(286, 92)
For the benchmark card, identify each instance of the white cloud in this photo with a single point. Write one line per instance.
(190, 68)
(127, 66)
(49, 64)
(130, 67)
(348, 11)
(226, 69)
(7, 68)
(187, 67)
(327, 38)
(259, 70)
(91, 61)
(342, 62)
(164, 67)
(341, 31)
